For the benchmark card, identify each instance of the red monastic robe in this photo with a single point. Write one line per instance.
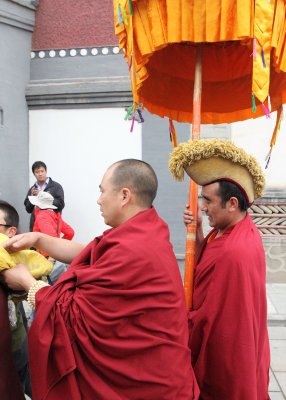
(115, 324)
(228, 324)
(10, 387)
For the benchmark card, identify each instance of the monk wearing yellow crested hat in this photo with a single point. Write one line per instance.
(228, 321)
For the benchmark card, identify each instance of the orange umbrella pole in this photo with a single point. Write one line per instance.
(193, 193)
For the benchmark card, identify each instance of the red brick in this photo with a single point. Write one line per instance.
(74, 23)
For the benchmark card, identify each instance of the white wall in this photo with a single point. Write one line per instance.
(254, 136)
(78, 146)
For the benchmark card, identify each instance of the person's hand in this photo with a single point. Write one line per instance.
(18, 278)
(35, 191)
(188, 216)
(21, 242)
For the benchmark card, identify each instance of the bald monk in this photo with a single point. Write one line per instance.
(115, 324)
(228, 320)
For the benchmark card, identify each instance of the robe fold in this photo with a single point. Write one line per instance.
(228, 324)
(10, 387)
(115, 325)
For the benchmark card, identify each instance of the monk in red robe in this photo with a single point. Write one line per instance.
(115, 325)
(228, 320)
(231, 358)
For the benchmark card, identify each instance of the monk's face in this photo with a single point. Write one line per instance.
(110, 201)
(219, 217)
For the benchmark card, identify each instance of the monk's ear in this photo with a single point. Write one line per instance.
(232, 204)
(126, 196)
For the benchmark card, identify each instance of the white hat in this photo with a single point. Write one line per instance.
(44, 200)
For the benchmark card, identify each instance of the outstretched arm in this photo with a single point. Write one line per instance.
(18, 278)
(60, 249)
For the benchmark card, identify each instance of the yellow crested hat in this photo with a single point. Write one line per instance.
(212, 160)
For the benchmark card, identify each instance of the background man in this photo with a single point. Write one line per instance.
(228, 322)
(46, 184)
(9, 221)
(114, 325)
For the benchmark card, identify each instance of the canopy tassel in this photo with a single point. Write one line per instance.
(129, 112)
(119, 15)
(263, 59)
(253, 103)
(140, 115)
(173, 135)
(132, 123)
(130, 8)
(125, 16)
(130, 64)
(254, 49)
(266, 111)
(274, 136)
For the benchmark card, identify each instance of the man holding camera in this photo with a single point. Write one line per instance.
(46, 184)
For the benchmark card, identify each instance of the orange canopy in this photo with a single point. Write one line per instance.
(243, 53)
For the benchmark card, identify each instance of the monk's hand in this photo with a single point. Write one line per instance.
(188, 216)
(18, 278)
(21, 242)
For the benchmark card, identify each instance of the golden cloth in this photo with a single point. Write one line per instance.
(160, 38)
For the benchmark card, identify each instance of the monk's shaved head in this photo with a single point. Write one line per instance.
(139, 177)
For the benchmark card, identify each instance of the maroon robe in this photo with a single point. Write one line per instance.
(228, 324)
(10, 387)
(115, 325)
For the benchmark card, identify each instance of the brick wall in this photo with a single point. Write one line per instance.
(73, 23)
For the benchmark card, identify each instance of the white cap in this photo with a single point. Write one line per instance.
(44, 200)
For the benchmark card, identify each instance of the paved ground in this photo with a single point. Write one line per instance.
(276, 297)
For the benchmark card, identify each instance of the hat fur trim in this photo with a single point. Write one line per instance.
(187, 154)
